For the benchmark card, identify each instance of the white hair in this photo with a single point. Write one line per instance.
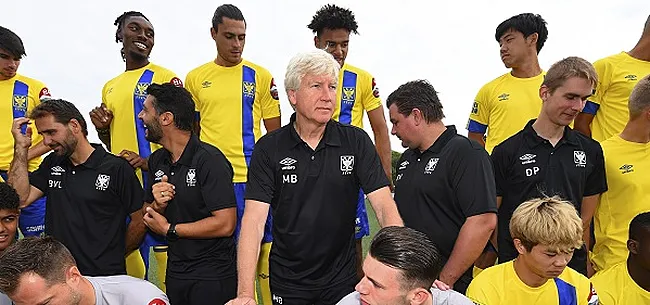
(316, 62)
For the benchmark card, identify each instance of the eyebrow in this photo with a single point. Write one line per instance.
(377, 284)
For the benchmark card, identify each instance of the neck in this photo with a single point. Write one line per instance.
(430, 134)
(87, 292)
(82, 152)
(548, 130)
(641, 50)
(639, 275)
(175, 142)
(309, 131)
(224, 63)
(528, 277)
(528, 69)
(636, 130)
(132, 64)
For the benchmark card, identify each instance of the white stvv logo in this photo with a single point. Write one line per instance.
(159, 175)
(191, 177)
(579, 158)
(431, 166)
(102, 182)
(347, 165)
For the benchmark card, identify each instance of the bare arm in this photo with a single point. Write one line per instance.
(37, 150)
(582, 123)
(382, 141)
(220, 224)
(272, 124)
(470, 243)
(587, 211)
(385, 208)
(18, 176)
(248, 249)
(136, 230)
(478, 137)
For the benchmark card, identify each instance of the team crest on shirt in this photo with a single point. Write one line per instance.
(348, 94)
(141, 90)
(101, 184)
(431, 166)
(248, 89)
(503, 97)
(626, 168)
(579, 158)
(347, 165)
(20, 102)
(44, 92)
(191, 177)
(159, 174)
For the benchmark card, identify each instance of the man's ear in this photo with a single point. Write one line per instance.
(417, 296)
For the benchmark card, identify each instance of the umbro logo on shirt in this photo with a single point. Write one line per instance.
(626, 168)
(631, 77)
(206, 84)
(527, 159)
(159, 175)
(57, 171)
(288, 164)
(503, 97)
(403, 165)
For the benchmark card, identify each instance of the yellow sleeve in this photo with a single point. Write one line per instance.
(107, 103)
(604, 79)
(480, 293)
(189, 85)
(173, 79)
(481, 108)
(371, 100)
(269, 97)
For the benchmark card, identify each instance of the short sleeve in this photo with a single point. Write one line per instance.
(480, 113)
(215, 177)
(129, 188)
(371, 100)
(260, 185)
(473, 171)
(369, 171)
(269, 98)
(480, 292)
(104, 92)
(500, 166)
(173, 79)
(191, 87)
(604, 79)
(597, 180)
(39, 177)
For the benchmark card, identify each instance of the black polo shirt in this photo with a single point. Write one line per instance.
(202, 177)
(87, 207)
(527, 166)
(313, 196)
(438, 189)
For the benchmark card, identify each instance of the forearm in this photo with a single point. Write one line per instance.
(18, 176)
(469, 245)
(37, 150)
(135, 232)
(248, 251)
(105, 137)
(209, 227)
(385, 208)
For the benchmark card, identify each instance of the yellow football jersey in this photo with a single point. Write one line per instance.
(627, 165)
(616, 287)
(357, 92)
(124, 96)
(231, 102)
(20, 95)
(503, 107)
(617, 76)
(499, 285)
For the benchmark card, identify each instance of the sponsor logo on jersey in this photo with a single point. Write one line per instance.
(176, 82)
(44, 92)
(626, 168)
(375, 89)
(503, 97)
(274, 90)
(475, 108)
(157, 301)
(206, 84)
(631, 77)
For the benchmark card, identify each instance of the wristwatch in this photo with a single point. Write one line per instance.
(171, 233)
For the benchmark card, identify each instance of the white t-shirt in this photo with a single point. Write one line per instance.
(124, 289)
(4, 300)
(447, 297)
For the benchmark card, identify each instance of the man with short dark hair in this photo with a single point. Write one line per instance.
(89, 192)
(42, 271)
(628, 282)
(444, 185)
(400, 269)
(9, 214)
(192, 201)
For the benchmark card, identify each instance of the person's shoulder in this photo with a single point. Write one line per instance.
(492, 84)
(612, 59)
(574, 278)
(610, 274)
(272, 137)
(588, 143)
(207, 150)
(32, 82)
(493, 275)
(160, 69)
(200, 69)
(510, 144)
(449, 297)
(130, 289)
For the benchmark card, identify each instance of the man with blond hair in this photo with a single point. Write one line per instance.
(548, 157)
(545, 232)
(628, 177)
(309, 173)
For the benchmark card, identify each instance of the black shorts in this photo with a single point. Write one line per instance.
(326, 296)
(201, 292)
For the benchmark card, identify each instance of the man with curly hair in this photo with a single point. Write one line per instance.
(9, 213)
(356, 93)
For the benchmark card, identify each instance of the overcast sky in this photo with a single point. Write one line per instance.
(71, 47)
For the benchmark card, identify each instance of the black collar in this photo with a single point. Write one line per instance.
(533, 139)
(188, 153)
(95, 159)
(442, 140)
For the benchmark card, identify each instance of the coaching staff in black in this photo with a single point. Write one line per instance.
(309, 173)
(192, 201)
(445, 184)
(90, 192)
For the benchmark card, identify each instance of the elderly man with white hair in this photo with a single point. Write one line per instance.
(309, 172)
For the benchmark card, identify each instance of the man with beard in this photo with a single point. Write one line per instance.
(42, 271)
(122, 99)
(19, 95)
(90, 192)
(192, 201)
(9, 213)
